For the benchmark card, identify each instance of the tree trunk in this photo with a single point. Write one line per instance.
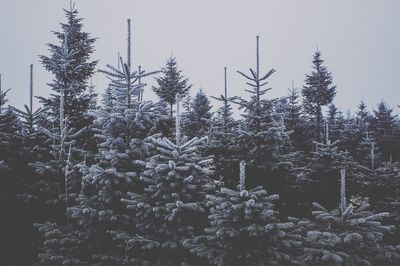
(171, 109)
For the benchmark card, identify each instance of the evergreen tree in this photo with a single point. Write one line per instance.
(383, 125)
(318, 92)
(260, 134)
(172, 206)
(171, 83)
(221, 143)
(79, 68)
(295, 122)
(244, 229)
(197, 122)
(362, 116)
(348, 235)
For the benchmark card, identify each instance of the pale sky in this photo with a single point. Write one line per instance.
(359, 40)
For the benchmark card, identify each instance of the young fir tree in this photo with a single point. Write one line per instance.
(348, 235)
(261, 135)
(77, 98)
(121, 128)
(295, 122)
(318, 92)
(383, 124)
(172, 206)
(244, 229)
(197, 121)
(170, 83)
(221, 142)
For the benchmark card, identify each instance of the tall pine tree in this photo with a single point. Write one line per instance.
(318, 92)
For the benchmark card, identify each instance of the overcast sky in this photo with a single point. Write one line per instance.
(359, 40)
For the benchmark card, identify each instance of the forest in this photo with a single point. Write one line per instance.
(116, 179)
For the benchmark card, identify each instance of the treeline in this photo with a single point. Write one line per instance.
(126, 181)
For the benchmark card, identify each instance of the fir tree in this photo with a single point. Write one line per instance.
(244, 229)
(383, 125)
(260, 134)
(171, 83)
(348, 235)
(198, 119)
(318, 92)
(79, 67)
(221, 143)
(171, 208)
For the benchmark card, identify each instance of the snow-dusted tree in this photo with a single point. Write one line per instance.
(318, 92)
(362, 116)
(31, 120)
(383, 124)
(170, 83)
(121, 126)
(261, 135)
(172, 206)
(244, 229)
(197, 121)
(63, 136)
(348, 235)
(79, 69)
(126, 83)
(295, 122)
(221, 141)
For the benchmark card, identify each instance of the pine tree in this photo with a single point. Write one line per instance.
(260, 134)
(244, 229)
(348, 235)
(121, 127)
(383, 125)
(172, 206)
(295, 122)
(362, 116)
(79, 67)
(221, 142)
(198, 119)
(171, 83)
(318, 92)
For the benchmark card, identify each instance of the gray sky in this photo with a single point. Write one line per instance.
(359, 39)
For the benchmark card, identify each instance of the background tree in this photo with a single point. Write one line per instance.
(318, 92)
(171, 83)
(197, 122)
(383, 124)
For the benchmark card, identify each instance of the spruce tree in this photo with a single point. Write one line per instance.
(347, 235)
(172, 206)
(383, 124)
(318, 92)
(295, 122)
(80, 68)
(244, 229)
(261, 133)
(171, 83)
(197, 122)
(221, 143)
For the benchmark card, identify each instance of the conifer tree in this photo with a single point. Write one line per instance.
(221, 143)
(348, 235)
(197, 122)
(170, 83)
(121, 127)
(261, 135)
(172, 206)
(244, 229)
(295, 122)
(383, 125)
(318, 92)
(80, 69)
